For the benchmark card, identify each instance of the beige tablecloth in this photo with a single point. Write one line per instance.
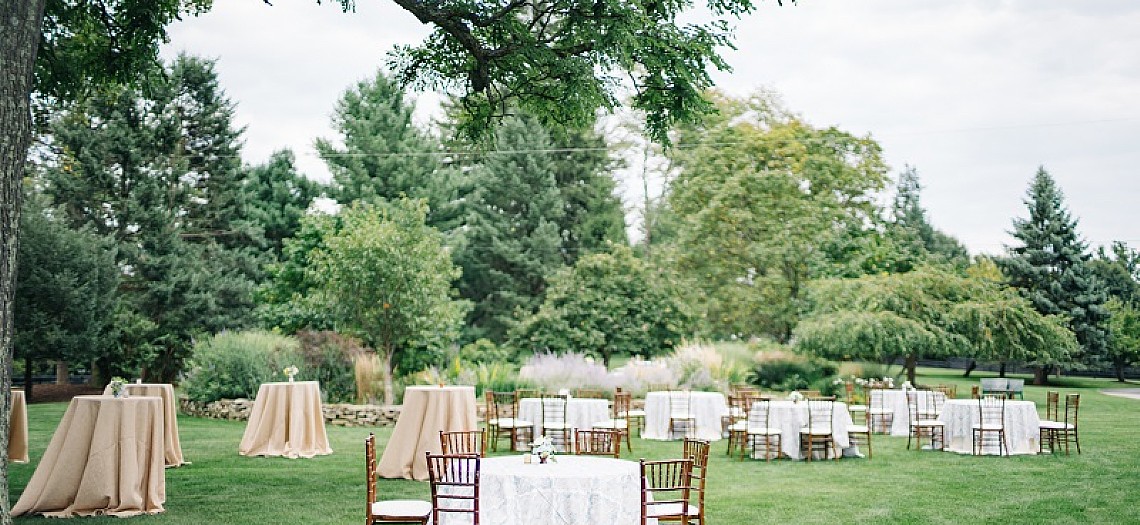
(18, 428)
(104, 458)
(427, 411)
(173, 447)
(286, 420)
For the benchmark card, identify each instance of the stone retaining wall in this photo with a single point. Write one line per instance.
(343, 415)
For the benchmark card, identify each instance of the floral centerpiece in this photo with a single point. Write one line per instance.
(543, 447)
(290, 371)
(795, 397)
(118, 387)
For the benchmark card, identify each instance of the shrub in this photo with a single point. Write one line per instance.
(484, 351)
(233, 365)
(330, 358)
(785, 373)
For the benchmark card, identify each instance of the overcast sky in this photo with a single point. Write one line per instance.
(975, 94)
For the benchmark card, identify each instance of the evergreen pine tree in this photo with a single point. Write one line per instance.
(913, 233)
(278, 196)
(1050, 267)
(512, 242)
(593, 217)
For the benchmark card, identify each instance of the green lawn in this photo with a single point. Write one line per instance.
(897, 486)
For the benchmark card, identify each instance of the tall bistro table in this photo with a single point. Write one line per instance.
(172, 448)
(18, 428)
(569, 490)
(427, 410)
(286, 420)
(1022, 426)
(105, 458)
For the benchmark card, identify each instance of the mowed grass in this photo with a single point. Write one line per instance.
(1102, 485)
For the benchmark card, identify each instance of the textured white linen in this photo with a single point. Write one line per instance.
(706, 407)
(572, 490)
(1022, 426)
(790, 417)
(895, 399)
(580, 413)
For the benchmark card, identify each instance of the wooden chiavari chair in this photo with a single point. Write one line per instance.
(698, 451)
(882, 416)
(1065, 430)
(620, 421)
(759, 431)
(991, 422)
(597, 442)
(502, 417)
(921, 423)
(665, 490)
(681, 414)
(390, 511)
(465, 442)
(458, 476)
(819, 431)
(554, 420)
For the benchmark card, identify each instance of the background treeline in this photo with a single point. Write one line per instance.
(149, 248)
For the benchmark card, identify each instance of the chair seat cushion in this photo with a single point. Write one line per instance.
(880, 411)
(682, 416)
(401, 508)
(637, 412)
(987, 426)
(815, 432)
(763, 431)
(1055, 425)
(618, 424)
(858, 429)
(510, 422)
(671, 509)
(857, 408)
(739, 426)
(555, 426)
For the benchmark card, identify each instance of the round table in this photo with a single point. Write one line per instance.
(706, 407)
(286, 420)
(790, 417)
(580, 413)
(173, 447)
(105, 458)
(427, 411)
(568, 491)
(1022, 426)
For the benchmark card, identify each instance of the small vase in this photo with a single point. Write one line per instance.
(542, 459)
(290, 379)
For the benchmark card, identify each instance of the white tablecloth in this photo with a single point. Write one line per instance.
(790, 417)
(572, 490)
(1022, 426)
(895, 399)
(580, 413)
(706, 407)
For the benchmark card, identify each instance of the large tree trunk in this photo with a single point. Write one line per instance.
(1040, 376)
(912, 368)
(1119, 368)
(28, 364)
(1001, 369)
(21, 22)
(387, 375)
(970, 367)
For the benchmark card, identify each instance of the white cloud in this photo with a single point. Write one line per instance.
(976, 94)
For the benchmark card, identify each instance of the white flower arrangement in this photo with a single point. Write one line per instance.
(290, 371)
(118, 387)
(543, 447)
(795, 397)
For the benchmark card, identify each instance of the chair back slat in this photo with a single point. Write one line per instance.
(1052, 405)
(665, 484)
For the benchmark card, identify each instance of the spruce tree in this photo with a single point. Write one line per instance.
(593, 218)
(1050, 268)
(913, 233)
(513, 241)
(277, 197)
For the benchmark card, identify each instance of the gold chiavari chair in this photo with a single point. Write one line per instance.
(389, 511)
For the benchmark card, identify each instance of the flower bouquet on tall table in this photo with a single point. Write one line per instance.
(290, 371)
(118, 387)
(543, 448)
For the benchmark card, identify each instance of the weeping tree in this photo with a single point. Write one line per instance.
(929, 313)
